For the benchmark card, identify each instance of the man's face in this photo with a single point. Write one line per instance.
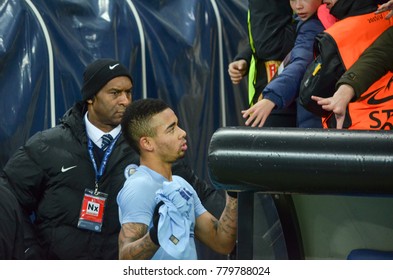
(107, 107)
(329, 3)
(170, 140)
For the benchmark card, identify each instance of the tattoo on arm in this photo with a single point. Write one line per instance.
(135, 242)
(219, 235)
(228, 219)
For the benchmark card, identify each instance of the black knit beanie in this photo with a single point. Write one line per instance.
(99, 73)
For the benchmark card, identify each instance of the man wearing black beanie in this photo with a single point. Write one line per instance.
(67, 178)
(98, 73)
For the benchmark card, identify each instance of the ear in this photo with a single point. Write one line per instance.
(89, 101)
(146, 143)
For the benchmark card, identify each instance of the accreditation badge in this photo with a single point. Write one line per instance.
(92, 210)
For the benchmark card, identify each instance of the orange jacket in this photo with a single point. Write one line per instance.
(374, 109)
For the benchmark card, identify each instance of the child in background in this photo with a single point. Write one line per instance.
(284, 88)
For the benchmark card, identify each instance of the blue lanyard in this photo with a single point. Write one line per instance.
(104, 161)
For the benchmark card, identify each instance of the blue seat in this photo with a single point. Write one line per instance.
(369, 254)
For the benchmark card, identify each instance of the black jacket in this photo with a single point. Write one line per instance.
(35, 174)
(11, 228)
(273, 34)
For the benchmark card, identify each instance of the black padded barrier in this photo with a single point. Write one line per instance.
(302, 161)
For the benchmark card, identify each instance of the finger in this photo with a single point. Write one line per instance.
(237, 77)
(232, 71)
(245, 114)
(389, 15)
(380, 10)
(323, 101)
(320, 100)
(255, 119)
(262, 122)
(250, 119)
(234, 74)
(256, 122)
(235, 80)
(327, 107)
(339, 121)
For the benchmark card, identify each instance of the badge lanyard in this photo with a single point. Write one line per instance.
(99, 172)
(93, 203)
